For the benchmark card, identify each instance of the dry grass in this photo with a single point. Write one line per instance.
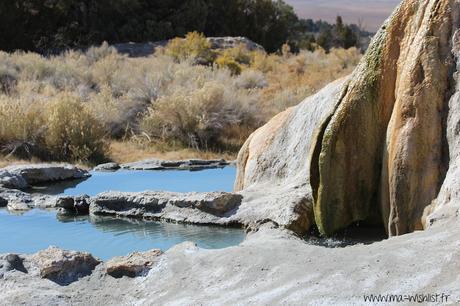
(129, 151)
(70, 107)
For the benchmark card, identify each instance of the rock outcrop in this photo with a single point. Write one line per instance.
(107, 167)
(3, 202)
(24, 176)
(148, 48)
(78, 205)
(63, 267)
(208, 207)
(134, 265)
(375, 147)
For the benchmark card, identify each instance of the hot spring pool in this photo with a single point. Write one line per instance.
(137, 181)
(106, 237)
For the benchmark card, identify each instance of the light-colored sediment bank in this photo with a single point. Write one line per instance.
(270, 268)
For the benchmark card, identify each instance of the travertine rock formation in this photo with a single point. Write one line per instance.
(379, 150)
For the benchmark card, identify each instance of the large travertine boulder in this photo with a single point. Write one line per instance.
(376, 147)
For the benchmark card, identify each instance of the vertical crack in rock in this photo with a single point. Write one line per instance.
(351, 151)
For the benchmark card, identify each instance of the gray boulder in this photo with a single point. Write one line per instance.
(10, 262)
(107, 167)
(3, 202)
(79, 205)
(134, 265)
(63, 267)
(22, 176)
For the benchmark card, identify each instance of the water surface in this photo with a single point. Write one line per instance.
(137, 181)
(104, 237)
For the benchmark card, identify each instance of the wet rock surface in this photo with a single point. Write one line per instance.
(63, 267)
(134, 265)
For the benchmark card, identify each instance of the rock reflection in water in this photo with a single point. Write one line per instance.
(104, 237)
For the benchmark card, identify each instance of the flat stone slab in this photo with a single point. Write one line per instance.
(166, 205)
(107, 167)
(23, 176)
(134, 265)
(188, 164)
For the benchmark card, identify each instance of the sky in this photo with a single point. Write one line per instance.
(370, 13)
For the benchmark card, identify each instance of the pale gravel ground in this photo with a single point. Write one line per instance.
(270, 267)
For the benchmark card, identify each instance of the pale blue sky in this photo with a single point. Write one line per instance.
(372, 13)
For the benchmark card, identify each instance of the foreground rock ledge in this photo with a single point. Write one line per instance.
(64, 267)
(133, 265)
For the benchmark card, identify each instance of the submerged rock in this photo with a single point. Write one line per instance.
(134, 265)
(190, 164)
(63, 267)
(107, 167)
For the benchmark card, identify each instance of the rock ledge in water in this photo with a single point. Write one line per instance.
(23, 176)
(189, 164)
(206, 207)
(107, 167)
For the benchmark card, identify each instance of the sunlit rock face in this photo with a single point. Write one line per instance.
(377, 146)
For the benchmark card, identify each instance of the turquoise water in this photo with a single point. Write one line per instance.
(130, 180)
(104, 237)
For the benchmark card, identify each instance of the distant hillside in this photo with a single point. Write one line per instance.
(371, 13)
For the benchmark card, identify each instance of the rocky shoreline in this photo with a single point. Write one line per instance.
(380, 147)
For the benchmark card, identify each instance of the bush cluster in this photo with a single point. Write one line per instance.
(70, 106)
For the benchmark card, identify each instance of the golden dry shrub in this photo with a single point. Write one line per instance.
(20, 121)
(72, 132)
(195, 119)
(194, 46)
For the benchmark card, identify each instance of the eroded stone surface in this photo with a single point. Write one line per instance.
(134, 265)
(63, 267)
(377, 153)
(207, 207)
(78, 205)
(23, 176)
(107, 167)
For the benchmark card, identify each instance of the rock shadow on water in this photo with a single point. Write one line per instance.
(57, 188)
(355, 234)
